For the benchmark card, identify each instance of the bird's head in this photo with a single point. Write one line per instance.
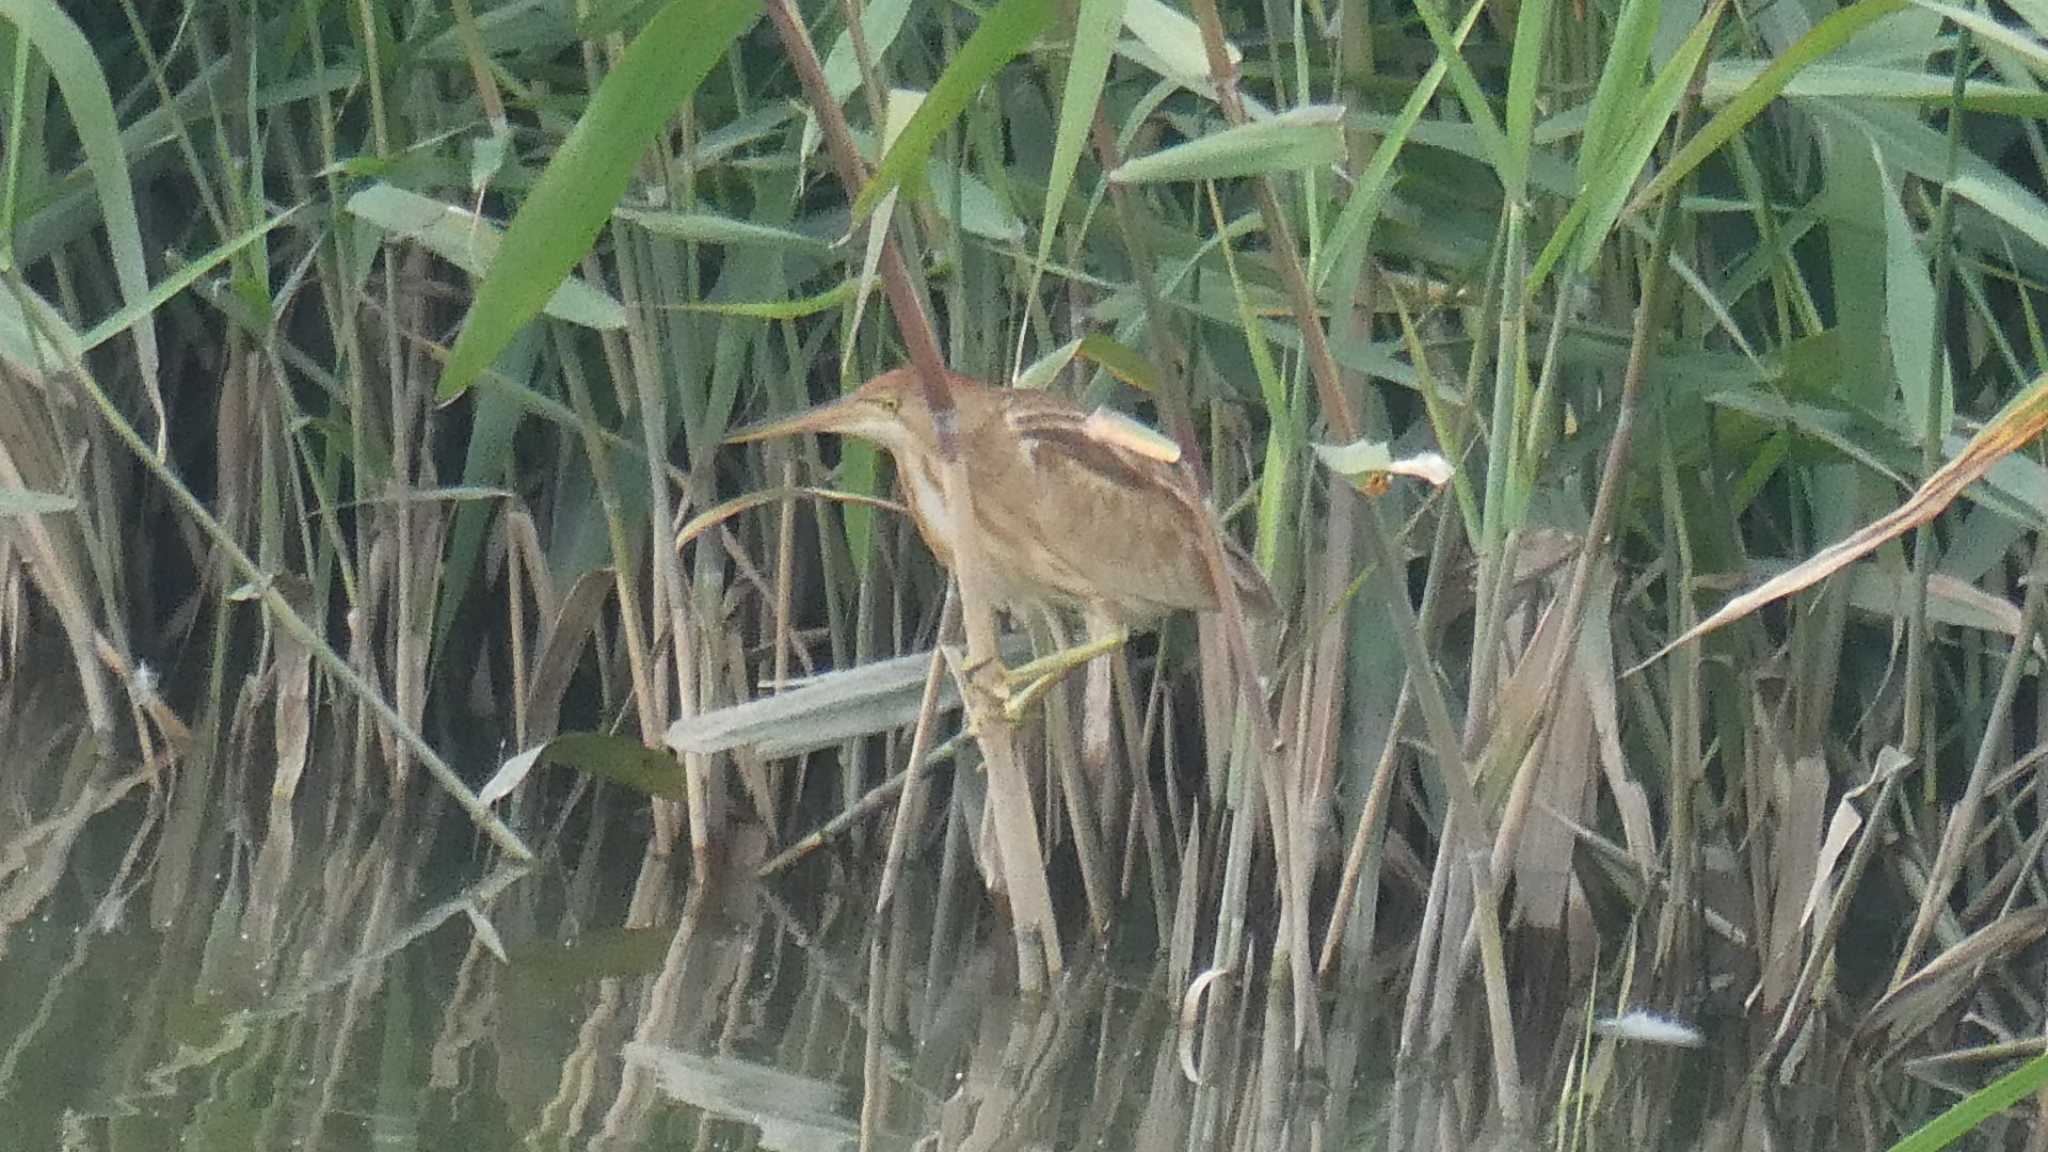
(889, 410)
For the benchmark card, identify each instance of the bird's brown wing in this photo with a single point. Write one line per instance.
(1129, 537)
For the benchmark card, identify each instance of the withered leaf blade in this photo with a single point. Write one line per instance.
(2011, 430)
(824, 710)
(1949, 977)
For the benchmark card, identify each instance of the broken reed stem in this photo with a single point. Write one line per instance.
(1023, 863)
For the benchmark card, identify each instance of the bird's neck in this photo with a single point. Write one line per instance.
(924, 490)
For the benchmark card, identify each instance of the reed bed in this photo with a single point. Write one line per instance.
(1661, 770)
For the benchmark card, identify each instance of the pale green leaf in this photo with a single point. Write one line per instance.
(472, 243)
(712, 228)
(1310, 136)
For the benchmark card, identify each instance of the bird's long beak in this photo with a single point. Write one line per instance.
(832, 416)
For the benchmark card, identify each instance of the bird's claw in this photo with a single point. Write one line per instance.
(1015, 690)
(985, 677)
(1018, 693)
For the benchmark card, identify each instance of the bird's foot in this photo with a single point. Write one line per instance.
(972, 677)
(1017, 689)
(1027, 683)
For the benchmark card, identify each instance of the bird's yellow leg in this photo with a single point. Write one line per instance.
(1020, 687)
(967, 673)
(1027, 683)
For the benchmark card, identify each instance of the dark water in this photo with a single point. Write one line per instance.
(184, 964)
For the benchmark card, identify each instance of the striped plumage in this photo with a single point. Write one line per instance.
(1070, 514)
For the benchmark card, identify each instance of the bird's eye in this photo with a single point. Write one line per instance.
(887, 402)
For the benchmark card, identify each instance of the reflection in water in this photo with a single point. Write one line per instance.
(317, 978)
(793, 1113)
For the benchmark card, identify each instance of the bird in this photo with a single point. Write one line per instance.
(1076, 511)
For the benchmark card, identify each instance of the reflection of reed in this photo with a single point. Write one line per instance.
(793, 1113)
(41, 854)
(681, 1004)
(293, 1000)
(37, 853)
(746, 1013)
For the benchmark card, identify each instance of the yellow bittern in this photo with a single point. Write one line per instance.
(1074, 511)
